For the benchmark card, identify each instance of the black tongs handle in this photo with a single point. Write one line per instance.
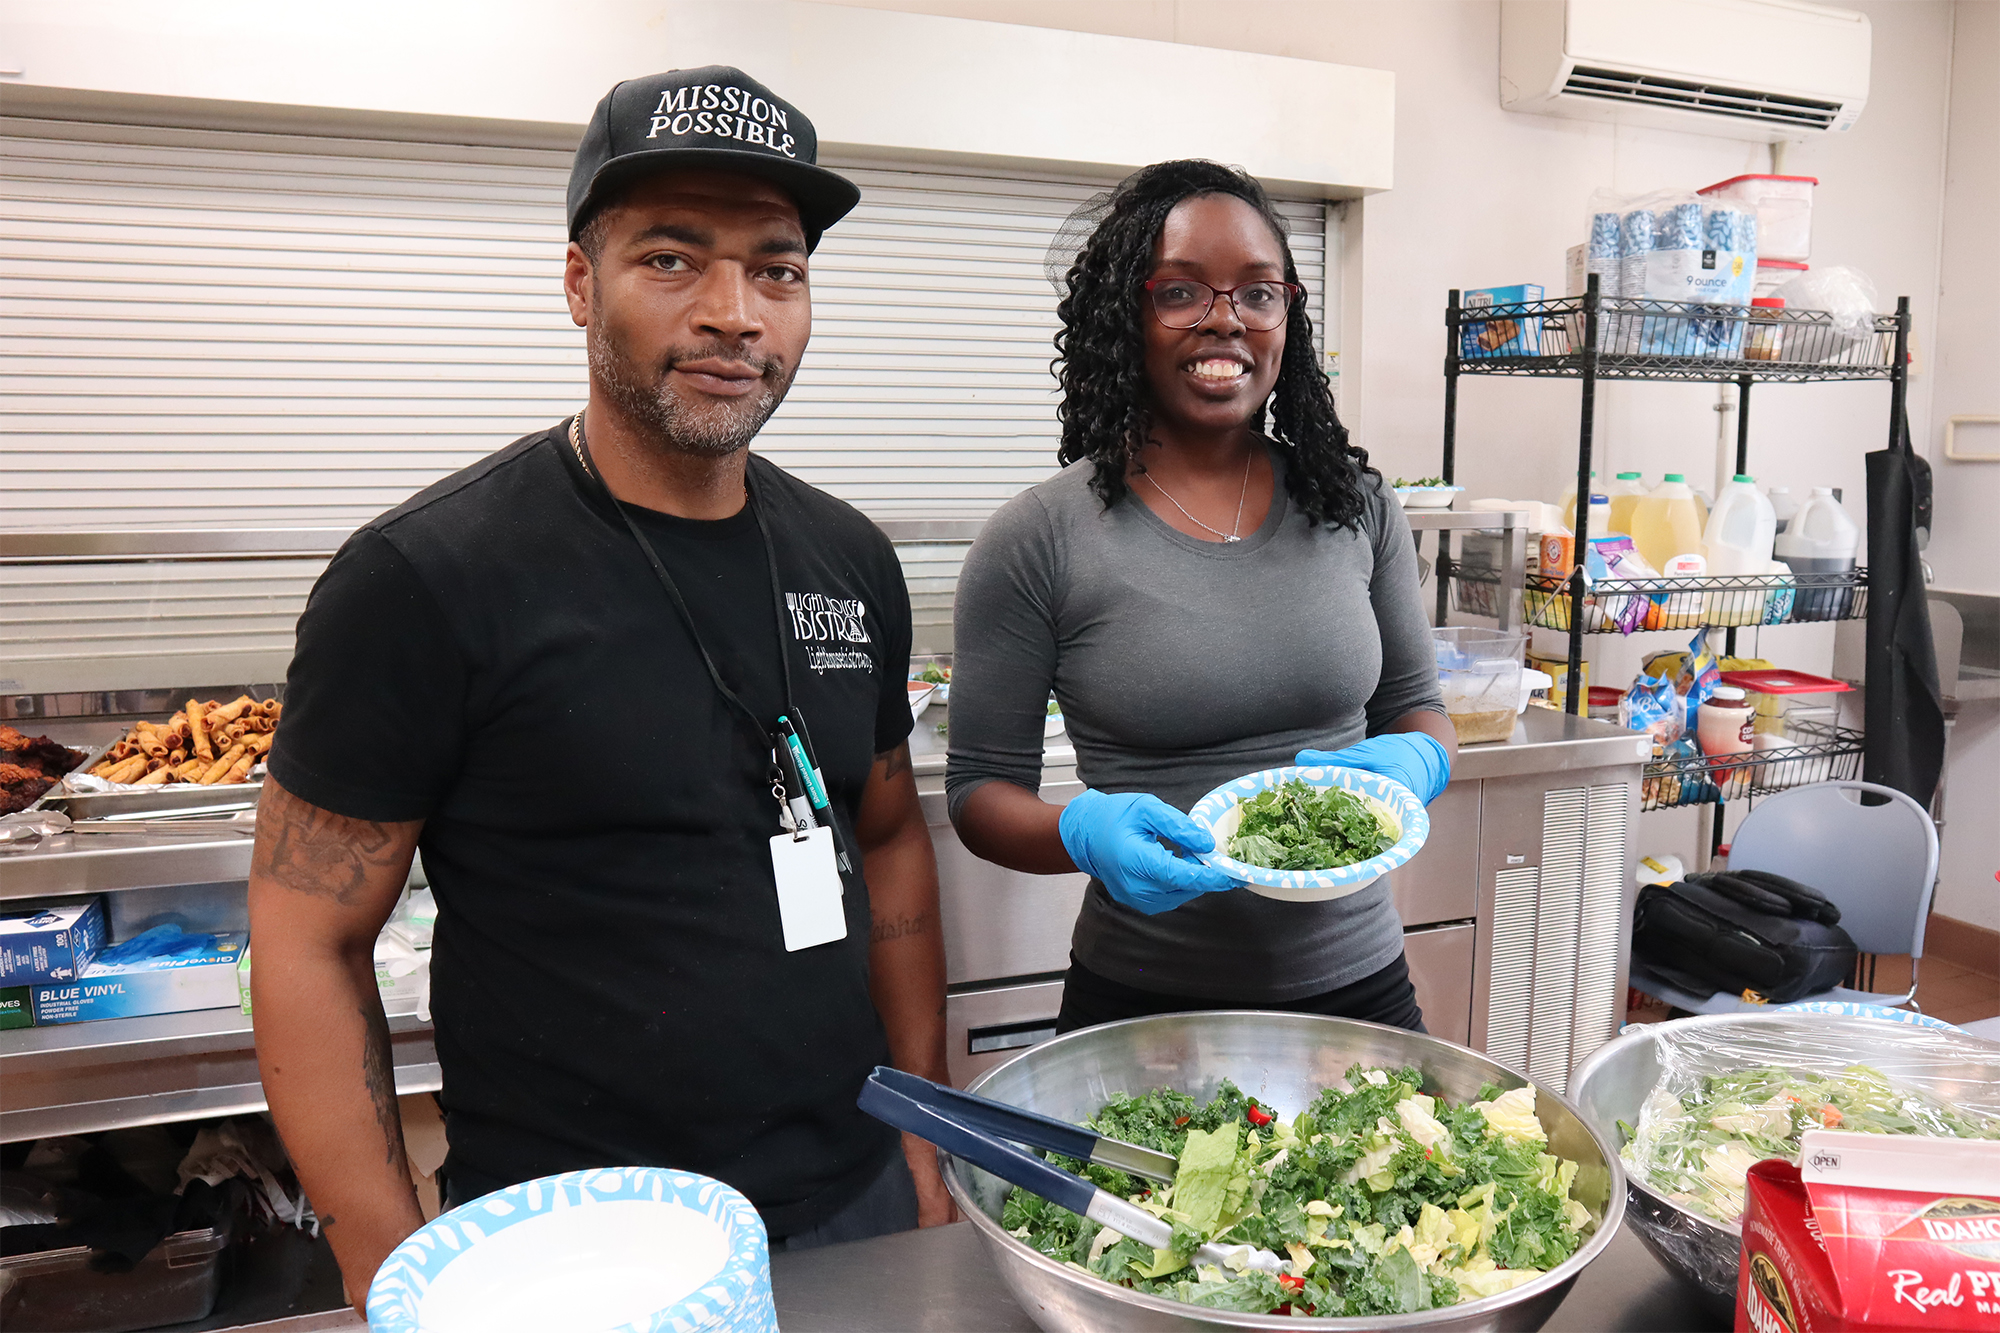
(1029, 1127)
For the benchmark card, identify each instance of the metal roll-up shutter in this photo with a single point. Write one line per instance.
(222, 329)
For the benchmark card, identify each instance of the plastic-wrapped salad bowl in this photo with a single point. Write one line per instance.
(1690, 1058)
(1401, 814)
(632, 1249)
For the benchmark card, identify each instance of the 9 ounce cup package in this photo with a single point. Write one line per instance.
(1872, 1231)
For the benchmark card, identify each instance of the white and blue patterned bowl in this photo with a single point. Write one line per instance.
(1851, 1009)
(624, 1250)
(1218, 813)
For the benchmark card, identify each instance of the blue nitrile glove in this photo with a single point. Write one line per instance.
(1415, 759)
(1115, 836)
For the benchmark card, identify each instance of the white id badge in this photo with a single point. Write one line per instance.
(809, 889)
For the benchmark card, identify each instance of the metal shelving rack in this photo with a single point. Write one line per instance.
(1594, 337)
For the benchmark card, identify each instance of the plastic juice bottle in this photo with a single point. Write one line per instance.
(1737, 542)
(1666, 523)
(1567, 501)
(1625, 493)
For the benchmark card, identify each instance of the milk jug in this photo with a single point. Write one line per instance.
(1782, 505)
(1738, 542)
(1625, 493)
(1665, 522)
(1820, 539)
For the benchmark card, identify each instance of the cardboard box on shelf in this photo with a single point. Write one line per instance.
(203, 978)
(17, 1009)
(1558, 671)
(1872, 1231)
(1507, 335)
(42, 944)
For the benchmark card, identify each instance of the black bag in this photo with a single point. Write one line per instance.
(1743, 930)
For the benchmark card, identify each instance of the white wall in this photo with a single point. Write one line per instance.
(1965, 548)
(914, 85)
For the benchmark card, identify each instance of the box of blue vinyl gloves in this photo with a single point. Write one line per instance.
(164, 971)
(49, 943)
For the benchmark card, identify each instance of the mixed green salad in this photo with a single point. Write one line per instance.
(1420, 481)
(1386, 1201)
(1296, 826)
(1696, 1148)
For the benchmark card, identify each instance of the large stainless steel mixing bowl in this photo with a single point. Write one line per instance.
(1286, 1060)
(1614, 1082)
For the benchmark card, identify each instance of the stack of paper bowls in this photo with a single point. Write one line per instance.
(632, 1250)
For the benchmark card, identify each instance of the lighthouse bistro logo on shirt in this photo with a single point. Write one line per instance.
(819, 619)
(725, 111)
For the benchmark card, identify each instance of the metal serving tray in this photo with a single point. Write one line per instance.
(158, 803)
(163, 802)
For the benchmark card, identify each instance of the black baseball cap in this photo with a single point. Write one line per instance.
(718, 117)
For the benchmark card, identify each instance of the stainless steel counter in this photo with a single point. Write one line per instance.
(1546, 741)
(941, 1281)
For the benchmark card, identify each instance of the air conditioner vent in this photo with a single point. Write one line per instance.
(1617, 85)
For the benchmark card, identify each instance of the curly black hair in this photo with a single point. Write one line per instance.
(1100, 351)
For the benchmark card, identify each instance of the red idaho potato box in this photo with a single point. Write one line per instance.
(1872, 1231)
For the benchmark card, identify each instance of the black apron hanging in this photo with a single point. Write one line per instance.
(1904, 743)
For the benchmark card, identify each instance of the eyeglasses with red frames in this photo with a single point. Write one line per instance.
(1182, 303)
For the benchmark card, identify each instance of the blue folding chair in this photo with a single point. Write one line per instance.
(1876, 863)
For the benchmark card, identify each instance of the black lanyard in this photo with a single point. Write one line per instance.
(765, 734)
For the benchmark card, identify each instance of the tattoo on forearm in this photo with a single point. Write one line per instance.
(380, 1075)
(316, 851)
(887, 929)
(895, 762)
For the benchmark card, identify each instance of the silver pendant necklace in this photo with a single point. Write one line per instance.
(1234, 528)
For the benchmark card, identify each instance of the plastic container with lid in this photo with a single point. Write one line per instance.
(1773, 274)
(177, 1282)
(1624, 493)
(1666, 522)
(1820, 539)
(1783, 205)
(1479, 673)
(1727, 723)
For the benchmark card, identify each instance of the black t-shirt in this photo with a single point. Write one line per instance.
(610, 983)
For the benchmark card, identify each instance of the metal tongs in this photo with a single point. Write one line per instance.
(34, 824)
(974, 1127)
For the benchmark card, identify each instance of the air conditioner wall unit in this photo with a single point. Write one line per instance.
(1745, 69)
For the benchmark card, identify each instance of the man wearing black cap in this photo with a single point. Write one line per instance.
(639, 696)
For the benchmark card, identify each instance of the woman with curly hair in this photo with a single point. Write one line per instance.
(1215, 583)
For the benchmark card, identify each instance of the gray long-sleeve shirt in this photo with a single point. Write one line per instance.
(1181, 664)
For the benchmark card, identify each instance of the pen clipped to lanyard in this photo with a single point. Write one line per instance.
(805, 789)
